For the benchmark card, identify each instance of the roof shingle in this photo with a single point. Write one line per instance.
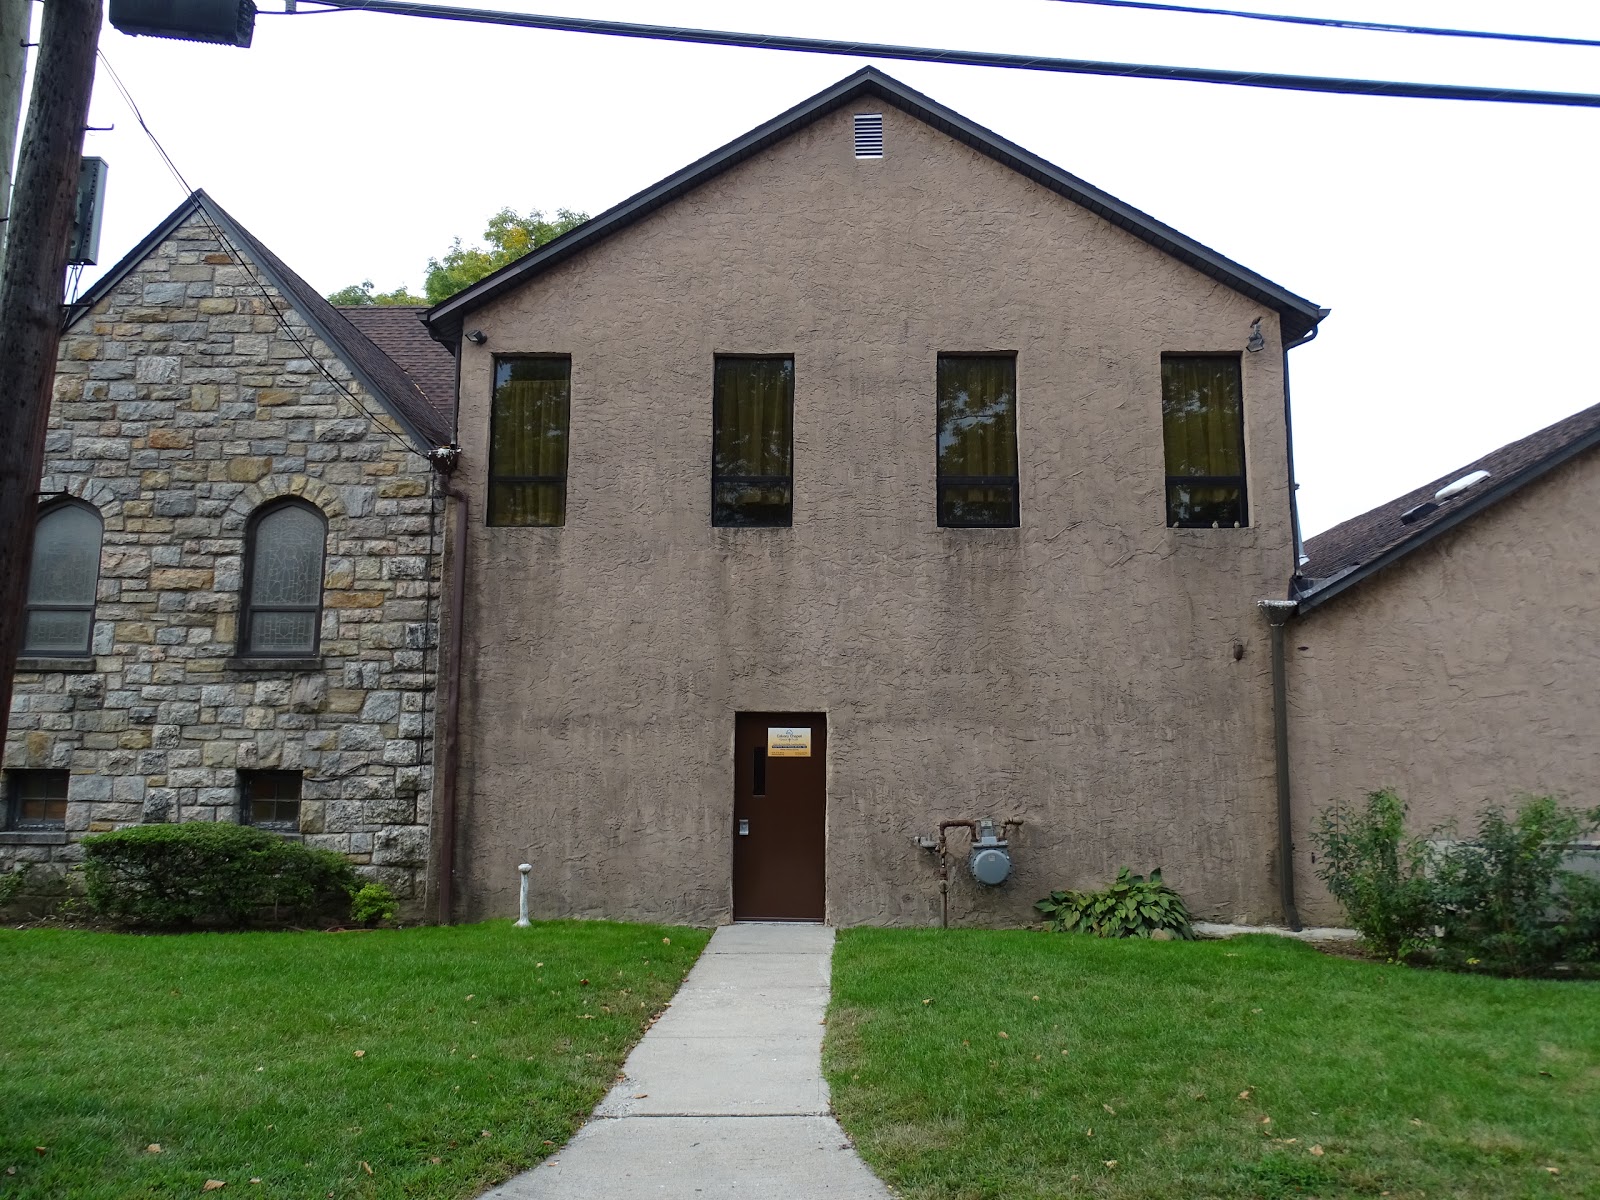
(397, 330)
(1348, 553)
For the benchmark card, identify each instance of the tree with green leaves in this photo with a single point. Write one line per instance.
(362, 293)
(509, 235)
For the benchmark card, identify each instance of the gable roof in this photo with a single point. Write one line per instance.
(1343, 556)
(400, 396)
(1299, 315)
(397, 330)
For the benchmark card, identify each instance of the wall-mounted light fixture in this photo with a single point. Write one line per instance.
(478, 337)
(1257, 342)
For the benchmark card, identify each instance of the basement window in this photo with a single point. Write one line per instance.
(36, 799)
(271, 799)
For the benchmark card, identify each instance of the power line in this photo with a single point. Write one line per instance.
(243, 261)
(971, 58)
(1340, 23)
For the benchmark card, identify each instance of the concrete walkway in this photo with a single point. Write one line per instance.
(724, 1096)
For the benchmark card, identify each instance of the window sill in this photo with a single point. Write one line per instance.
(68, 665)
(259, 663)
(33, 837)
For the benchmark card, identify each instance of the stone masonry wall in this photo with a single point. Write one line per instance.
(180, 407)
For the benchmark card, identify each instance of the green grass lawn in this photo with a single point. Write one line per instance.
(1256, 1067)
(440, 1060)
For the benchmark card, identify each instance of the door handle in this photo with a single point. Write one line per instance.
(744, 828)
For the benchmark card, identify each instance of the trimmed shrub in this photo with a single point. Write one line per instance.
(1378, 873)
(209, 873)
(1132, 906)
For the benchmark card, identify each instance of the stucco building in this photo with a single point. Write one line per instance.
(234, 593)
(869, 474)
(875, 424)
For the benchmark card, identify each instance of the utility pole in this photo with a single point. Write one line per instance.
(14, 25)
(31, 295)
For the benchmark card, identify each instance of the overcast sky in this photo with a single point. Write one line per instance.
(1456, 243)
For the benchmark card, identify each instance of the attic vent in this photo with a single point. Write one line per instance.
(869, 135)
(1460, 485)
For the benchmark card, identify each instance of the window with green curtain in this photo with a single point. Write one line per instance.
(1202, 424)
(977, 401)
(752, 451)
(528, 440)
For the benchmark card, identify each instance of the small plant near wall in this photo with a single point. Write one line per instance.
(11, 883)
(1132, 906)
(371, 903)
(1378, 874)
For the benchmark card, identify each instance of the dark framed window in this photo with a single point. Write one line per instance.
(62, 581)
(284, 547)
(1202, 426)
(528, 424)
(271, 799)
(36, 799)
(977, 467)
(752, 441)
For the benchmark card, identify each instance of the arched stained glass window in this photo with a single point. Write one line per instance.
(283, 579)
(62, 581)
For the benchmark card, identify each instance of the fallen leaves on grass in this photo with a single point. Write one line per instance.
(1109, 1109)
(1245, 1095)
(1005, 1035)
(213, 1185)
(360, 1054)
(1111, 1162)
(41, 1151)
(153, 1148)
(1554, 1170)
(1317, 1150)
(666, 941)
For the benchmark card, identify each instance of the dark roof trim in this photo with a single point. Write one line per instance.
(1299, 315)
(1323, 590)
(295, 292)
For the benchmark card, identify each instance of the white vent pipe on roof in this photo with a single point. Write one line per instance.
(1460, 485)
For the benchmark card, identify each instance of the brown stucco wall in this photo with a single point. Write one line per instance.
(1078, 672)
(1463, 675)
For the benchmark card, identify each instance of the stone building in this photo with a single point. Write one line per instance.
(235, 582)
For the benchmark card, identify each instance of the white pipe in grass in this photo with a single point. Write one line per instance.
(522, 903)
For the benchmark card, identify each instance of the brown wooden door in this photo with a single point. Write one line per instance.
(779, 821)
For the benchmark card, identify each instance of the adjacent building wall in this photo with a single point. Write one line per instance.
(180, 407)
(1093, 672)
(1462, 676)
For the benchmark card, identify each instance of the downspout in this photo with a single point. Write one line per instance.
(1278, 613)
(448, 759)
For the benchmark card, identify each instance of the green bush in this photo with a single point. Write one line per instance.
(11, 882)
(371, 903)
(206, 873)
(1132, 906)
(1499, 901)
(1504, 900)
(1378, 874)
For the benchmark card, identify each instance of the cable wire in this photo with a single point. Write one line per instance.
(971, 58)
(266, 293)
(1341, 23)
